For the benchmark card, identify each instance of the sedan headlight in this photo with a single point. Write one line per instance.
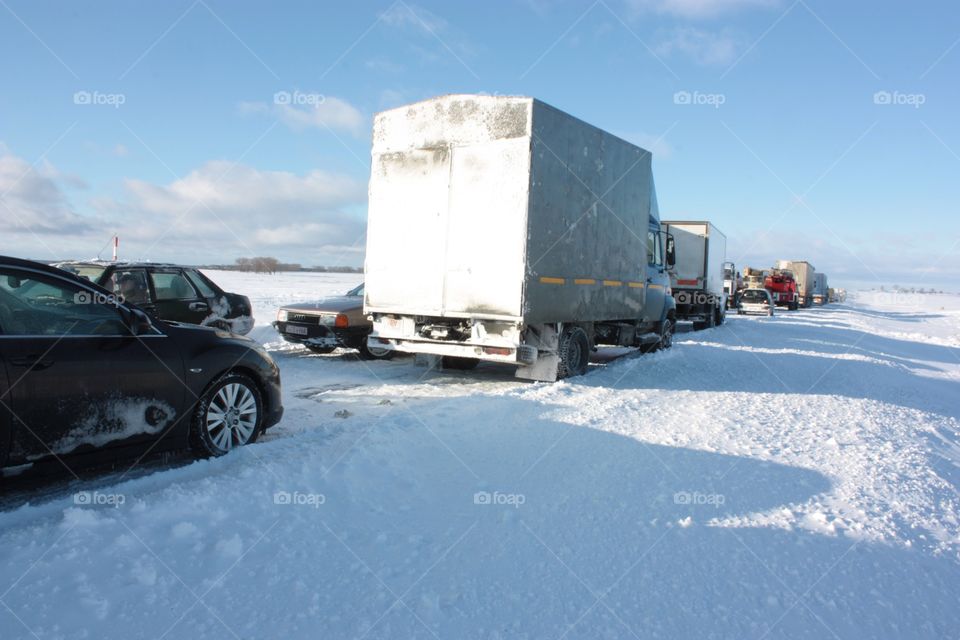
(282, 315)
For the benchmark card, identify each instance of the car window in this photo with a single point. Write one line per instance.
(356, 291)
(130, 285)
(32, 304)
(91, 272)
(172, 285)
(201, 284)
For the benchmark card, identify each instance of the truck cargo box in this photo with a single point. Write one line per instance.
(803, 273)
(505, 207)
(701, 251)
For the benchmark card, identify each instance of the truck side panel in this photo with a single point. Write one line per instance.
(591, 198)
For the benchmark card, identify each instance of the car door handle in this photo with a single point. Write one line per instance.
(32, 362)
(198, 306)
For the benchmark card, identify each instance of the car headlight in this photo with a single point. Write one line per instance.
(328, 320)
(282, 315)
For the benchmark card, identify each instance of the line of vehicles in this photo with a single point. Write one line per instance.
(500, 229)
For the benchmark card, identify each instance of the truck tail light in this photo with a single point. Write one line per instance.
(497, 351)
(341, 321)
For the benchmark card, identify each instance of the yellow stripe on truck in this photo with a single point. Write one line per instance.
(546, 280)
(584, 281)
(635, 285)
(612, 283)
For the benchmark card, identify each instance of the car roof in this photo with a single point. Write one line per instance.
(10, 261)
(124, 264)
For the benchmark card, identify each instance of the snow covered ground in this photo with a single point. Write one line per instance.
(792, 477)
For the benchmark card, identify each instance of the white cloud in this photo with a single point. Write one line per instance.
(697, 9)
(703, 47)
(214, 214)
(32, 198)
(407, 16)
(318, 112)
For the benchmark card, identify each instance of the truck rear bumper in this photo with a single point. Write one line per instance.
(521, 354)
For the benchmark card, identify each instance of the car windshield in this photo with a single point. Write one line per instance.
(356, 291)
(91, 272)
(755, 296)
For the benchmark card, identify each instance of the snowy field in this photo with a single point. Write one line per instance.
(791, 477)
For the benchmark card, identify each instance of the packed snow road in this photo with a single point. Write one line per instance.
(786, 477)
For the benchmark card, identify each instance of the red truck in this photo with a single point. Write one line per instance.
(783, 287)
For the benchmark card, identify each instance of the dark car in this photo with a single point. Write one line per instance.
(170, 292)
(324, 325)
(81, 371)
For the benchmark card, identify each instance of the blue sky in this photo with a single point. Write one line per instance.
(182, 149)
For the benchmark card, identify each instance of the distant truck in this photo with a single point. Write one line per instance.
(821, 294)
(697, 278)
(503, 229)
(782, 287)
(754, 278)
(803, 273)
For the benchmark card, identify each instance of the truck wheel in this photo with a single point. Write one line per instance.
(666, 333)
(574, 353)
(460, 364)
(374, 353)
(721, 316)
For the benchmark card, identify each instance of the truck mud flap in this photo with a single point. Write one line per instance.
(547, 365)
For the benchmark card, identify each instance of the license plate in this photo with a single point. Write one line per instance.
(297, 331)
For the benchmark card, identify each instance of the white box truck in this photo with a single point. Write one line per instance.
(503, 229)
(697, 278)
(820, 288)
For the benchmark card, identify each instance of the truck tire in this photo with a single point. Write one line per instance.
(366, 353)
(793, 306)
(460, 364)
(666, 333)
(721, 316)
(574, 353)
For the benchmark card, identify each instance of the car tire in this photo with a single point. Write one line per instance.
(229, 415)
(321, 350)
(460, 364)
(366, 353)
(574, 352)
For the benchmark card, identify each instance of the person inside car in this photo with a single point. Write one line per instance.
(132, 289)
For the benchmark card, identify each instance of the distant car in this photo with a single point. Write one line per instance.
(326, 324)
(758, 301)
(170, 292)
(82, 371)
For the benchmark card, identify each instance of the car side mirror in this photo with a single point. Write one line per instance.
(138, 322)
(671, 251)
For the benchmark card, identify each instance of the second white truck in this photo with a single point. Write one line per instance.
(697, 278)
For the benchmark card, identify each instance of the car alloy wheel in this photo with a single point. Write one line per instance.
(230, 415)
